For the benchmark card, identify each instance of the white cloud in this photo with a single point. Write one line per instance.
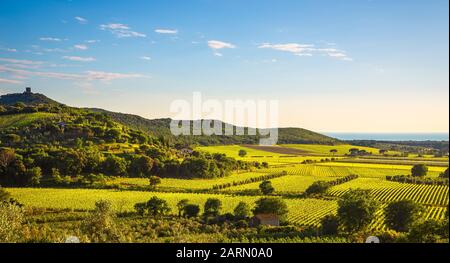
(307, 50)
(50, 39)
(92, 41)
(217, 54)
(86, 76)
(10, 81)
(215, 44)
(108, 76)
(21, 61)
(290, 47)
(146, 58)
(121, 30)
(81, 20)
(166, 31)
(79, 59)
(8, 49)
(81, 47)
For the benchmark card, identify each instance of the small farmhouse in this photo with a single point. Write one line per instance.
(265, 219)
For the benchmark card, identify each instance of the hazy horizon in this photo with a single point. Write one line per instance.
(347, 66)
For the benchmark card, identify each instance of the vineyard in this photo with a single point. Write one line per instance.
(386, 191)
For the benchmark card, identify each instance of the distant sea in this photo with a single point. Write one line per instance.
(390, 136)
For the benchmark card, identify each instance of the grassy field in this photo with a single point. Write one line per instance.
(19, 120)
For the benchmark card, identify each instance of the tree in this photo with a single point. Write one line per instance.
(34, 176)
(419, 170)
(333, 151)
(212, 207)
(330, 225)
(157, 206)
(353, 151)
(100, 225)
(356, 210)
(5, 196)
(444, 174)
(242, 210)
(154, 181)
(266, 187)
(428, 231)
(271, 205)
(181, 205)
(318, 187)
(382, 151)
(191, 210)
(242, 153)
(400, 215)
(11, 219)
(141, 166)
(114, 165)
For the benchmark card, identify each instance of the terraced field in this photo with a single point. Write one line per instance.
(386, 191)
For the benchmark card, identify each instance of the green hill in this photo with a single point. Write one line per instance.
(161, 127)
(26, 98)
(35, 102)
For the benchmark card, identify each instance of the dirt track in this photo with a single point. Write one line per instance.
(278, 149)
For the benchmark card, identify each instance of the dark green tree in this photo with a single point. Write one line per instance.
(266, 187)
(242, 210)
(356, 209)
(212, 207)
(419, 170)
(400, 215)
(271, 205)
(330, 225)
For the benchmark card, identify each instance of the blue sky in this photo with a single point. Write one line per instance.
(360, 66)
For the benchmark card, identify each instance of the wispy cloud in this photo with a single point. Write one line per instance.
(290, 47)
(92, 41)
(10, 81)
(121, 30)
(81, 47)
(146, 58)
(79, 59)
(215, 44)
(166, 31)
(8, 49)
(50, 39)
(81, 20)
(307, 50)
(21, 61)
(86, 76)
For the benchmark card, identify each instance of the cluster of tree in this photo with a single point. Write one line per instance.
(356, 210)
(418, 180)
(324, 160)
(212, 209)
(321, 187)
(358, 152)
(250, 180)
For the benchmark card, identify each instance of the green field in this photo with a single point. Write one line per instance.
(19, 120)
